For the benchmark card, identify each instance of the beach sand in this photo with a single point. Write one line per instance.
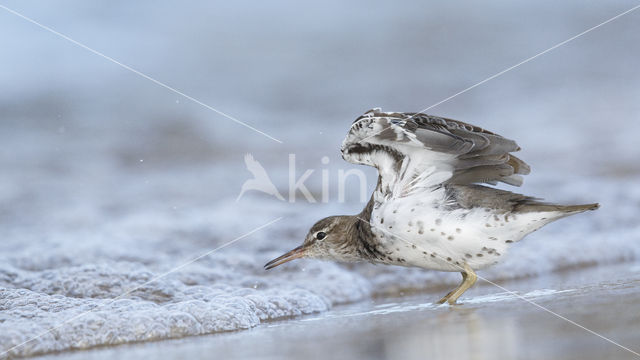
(490, 324)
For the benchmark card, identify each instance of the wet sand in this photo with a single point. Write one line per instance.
(490, 324)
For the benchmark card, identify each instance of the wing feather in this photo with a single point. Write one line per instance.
(415, 151)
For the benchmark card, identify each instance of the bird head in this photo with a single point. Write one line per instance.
(327, 239)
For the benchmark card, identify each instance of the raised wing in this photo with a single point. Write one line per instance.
(414, 151)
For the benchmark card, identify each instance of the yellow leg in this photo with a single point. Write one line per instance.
(469, 278)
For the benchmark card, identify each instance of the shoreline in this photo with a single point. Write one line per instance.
(599, 298)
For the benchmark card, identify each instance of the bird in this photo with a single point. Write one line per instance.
(261, 181)
(434, 206)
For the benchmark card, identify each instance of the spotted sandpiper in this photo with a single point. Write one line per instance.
(429, 209)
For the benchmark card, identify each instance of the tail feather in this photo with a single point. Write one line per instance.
(579, 208)
(568, 209)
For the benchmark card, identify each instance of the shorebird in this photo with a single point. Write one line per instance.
(430, 208)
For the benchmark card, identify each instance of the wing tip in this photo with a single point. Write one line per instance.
(369, 114)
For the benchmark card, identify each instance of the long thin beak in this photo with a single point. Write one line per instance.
(291, 255)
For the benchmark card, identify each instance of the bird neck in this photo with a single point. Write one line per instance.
(365, 214)
(360, 237)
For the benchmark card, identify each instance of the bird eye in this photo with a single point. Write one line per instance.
(320, 235)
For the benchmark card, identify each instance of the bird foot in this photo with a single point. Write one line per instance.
(468, 279)
(446, 299)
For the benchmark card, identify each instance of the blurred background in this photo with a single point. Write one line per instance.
(108, 179)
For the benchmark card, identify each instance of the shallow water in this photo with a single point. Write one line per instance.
(528, 322)
(109, 181)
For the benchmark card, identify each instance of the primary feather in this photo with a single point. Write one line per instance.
(414, 151)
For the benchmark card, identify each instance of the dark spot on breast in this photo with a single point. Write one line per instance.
(433, 255)
(458, 230)
(420, 231)
(413, 246)
(432, 229)
(508, 241)
(487, 225)
(468, 256)
(412, 210)
(395, 211)
(397, 249)
(390, 227)
(449, 237)
(479, 255)
(438, 221)
(381, 220)
(443, 233)
(424, 252)
(492, 238)
(448, 259)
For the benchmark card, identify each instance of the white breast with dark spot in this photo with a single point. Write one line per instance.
(418, 231)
